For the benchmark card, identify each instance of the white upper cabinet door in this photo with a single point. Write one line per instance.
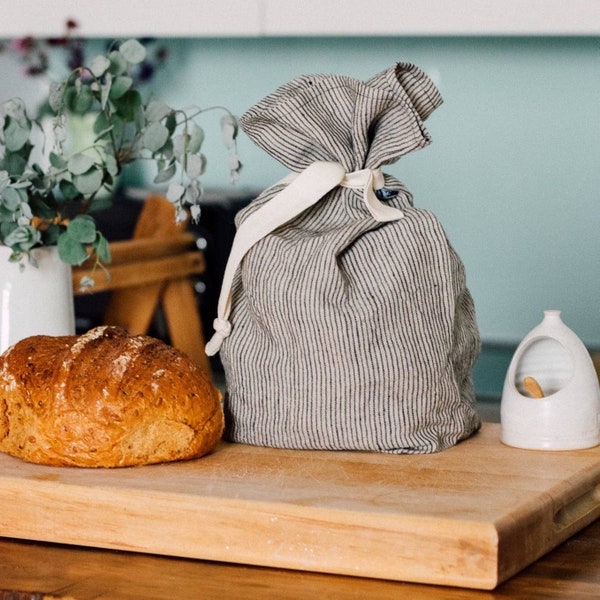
(254, 18)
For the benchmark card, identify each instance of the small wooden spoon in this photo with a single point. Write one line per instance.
(533, 387)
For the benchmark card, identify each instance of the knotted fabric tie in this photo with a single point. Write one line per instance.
(302, 191)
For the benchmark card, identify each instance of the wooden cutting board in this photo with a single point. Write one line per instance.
(470, 516)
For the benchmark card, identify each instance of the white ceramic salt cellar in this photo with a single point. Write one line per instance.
(567, 417)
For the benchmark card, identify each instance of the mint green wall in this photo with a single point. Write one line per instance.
(513, 172)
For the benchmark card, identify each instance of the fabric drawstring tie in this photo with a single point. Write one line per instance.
(303, 190)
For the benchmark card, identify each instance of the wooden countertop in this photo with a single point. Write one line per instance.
(570, 571)
(471, 516)
(44, 571)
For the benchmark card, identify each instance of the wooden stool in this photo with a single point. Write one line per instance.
(153, 269)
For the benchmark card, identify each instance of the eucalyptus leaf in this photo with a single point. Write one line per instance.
(139, 119)
(22, 188)
(179, 146)
(102, 202)
(44, 207)
(99, 65)
(180, 214)
(57, 161)
(59, 129)
(22, 238)
(85, 100)
(155, 136)
(83, 229)
(235, 168)
(70, 250)
(118, 64)
(37, 169)
(55, 95)
(229, 130)
(102, 123)
(128, 105)
(26, 215)
(166, 152)
(234, 162)
(21, 185)
(156, 111)
(15, 109)
(6, 225)
(105, 90)
(88, 183)
(14, 164)
(102, 249)
(133, 51)
(4, 180)
(11, 198)
(23, 195)
(195, 212)
(196, 138)
(79, 101)
(171, 122)
(111, 165)
(175, 192)
(120, 85)
(166, 174)
(80, 163)
(117, 127)
(103, 134)
(68, 190)
(192, 193)
(49, 237)
(86, 283)
(195, 165)
(107, 180)
(15, 134)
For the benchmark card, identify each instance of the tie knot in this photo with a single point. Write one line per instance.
(370, 180)
(222, 326)
(222, 330)
(365, 177)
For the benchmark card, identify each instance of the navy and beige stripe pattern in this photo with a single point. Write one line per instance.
(348, 333)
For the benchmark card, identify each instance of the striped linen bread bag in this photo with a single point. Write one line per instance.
(344, 320)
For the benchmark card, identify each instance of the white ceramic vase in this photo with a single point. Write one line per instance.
(567, 417)
(35, 300)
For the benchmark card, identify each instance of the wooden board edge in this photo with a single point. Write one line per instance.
(546, 522)
(278, 535)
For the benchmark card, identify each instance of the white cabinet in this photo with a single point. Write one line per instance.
(117, 18)
(432, 17)
(253, 18)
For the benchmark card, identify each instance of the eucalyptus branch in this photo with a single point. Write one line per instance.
(126, 128)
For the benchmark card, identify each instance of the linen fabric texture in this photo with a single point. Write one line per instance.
(349, 333)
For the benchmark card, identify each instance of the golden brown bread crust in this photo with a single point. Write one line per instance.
(105, 399)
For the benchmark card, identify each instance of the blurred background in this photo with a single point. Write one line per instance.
(513, 172)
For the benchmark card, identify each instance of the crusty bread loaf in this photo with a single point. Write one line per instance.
(105, 399)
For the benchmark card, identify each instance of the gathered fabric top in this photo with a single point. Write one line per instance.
(359, 124)
(330, 131)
